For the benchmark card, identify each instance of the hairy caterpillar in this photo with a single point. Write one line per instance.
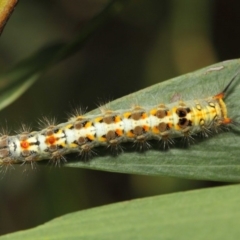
(83, 133)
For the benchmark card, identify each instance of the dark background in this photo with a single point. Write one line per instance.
(148, 42)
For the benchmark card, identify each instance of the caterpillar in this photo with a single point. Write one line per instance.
(83, 133)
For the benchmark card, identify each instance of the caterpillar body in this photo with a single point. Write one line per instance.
(82, 133)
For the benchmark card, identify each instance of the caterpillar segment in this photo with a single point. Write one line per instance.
(81, 134)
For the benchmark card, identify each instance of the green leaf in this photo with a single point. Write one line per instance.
(17, 80)
(213, 158)
(202, 214)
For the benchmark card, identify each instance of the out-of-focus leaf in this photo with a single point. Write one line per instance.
(203, 214)
(16, 81)
(20, 78)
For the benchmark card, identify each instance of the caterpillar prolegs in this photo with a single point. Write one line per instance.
(83, 133)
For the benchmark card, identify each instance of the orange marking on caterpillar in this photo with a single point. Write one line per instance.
(69, 126)
(199, 114)
(169, 113)
(127, 114)
(219, 95)
(222, 94)
(153, 112)
(98, 119)
(117, 119)
(24, 144)
(90, 137)
(73, 145)
(88, 124)
(130, 134)
(177, 127)
(146, 128)
(119, 132)
(155, 130)
(227, 121)
(144, 115)
(102, 139)
(50, 140)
